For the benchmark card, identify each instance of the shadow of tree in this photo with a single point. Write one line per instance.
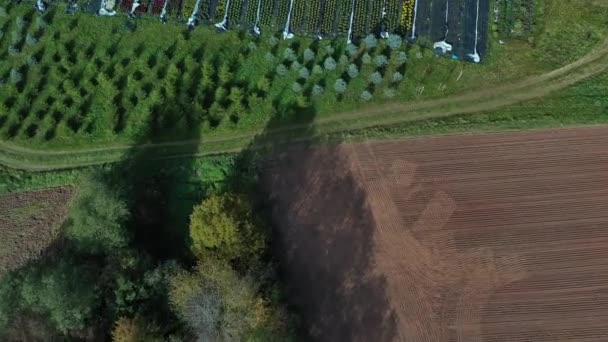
(322, 232)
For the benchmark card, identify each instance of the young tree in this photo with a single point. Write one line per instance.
(309, 55)
(400, 58)
(370, 41)
(340, 86)
(317, 70)
(380, 61)
(296, 87)
(289, 55)
(397, 77)
(366, 59)
(353, 71)
(281, 70)
(330, 63)
(304, 73)
(375, 78)
(343, 60)
(366, 95)
(263, 85)
(351, 49)
(269, 57)
(30, 40)
(317, 90)
(224, 75)
(394, 41)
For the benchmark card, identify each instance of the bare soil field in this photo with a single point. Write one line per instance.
(29, 223)
(494, 237)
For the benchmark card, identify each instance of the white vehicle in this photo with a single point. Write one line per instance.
(192, 21)
(163, 13)
(40, 6)
(223, 25)
(107, 8)
(256, 26)
(134, 7)
(443, 45)
(286, 31)
(474, 56)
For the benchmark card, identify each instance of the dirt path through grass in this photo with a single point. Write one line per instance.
(391, 113)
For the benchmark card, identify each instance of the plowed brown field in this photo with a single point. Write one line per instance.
(29, 224)
(496, 237)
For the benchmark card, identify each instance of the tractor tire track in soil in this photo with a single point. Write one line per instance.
(533, 87)
(483, 238)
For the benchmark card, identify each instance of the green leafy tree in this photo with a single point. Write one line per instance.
(65, 292)
(98, 215)
(223, 227)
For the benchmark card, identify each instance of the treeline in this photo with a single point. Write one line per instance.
(101, 281)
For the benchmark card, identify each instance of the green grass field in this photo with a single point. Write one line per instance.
(80, 90)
